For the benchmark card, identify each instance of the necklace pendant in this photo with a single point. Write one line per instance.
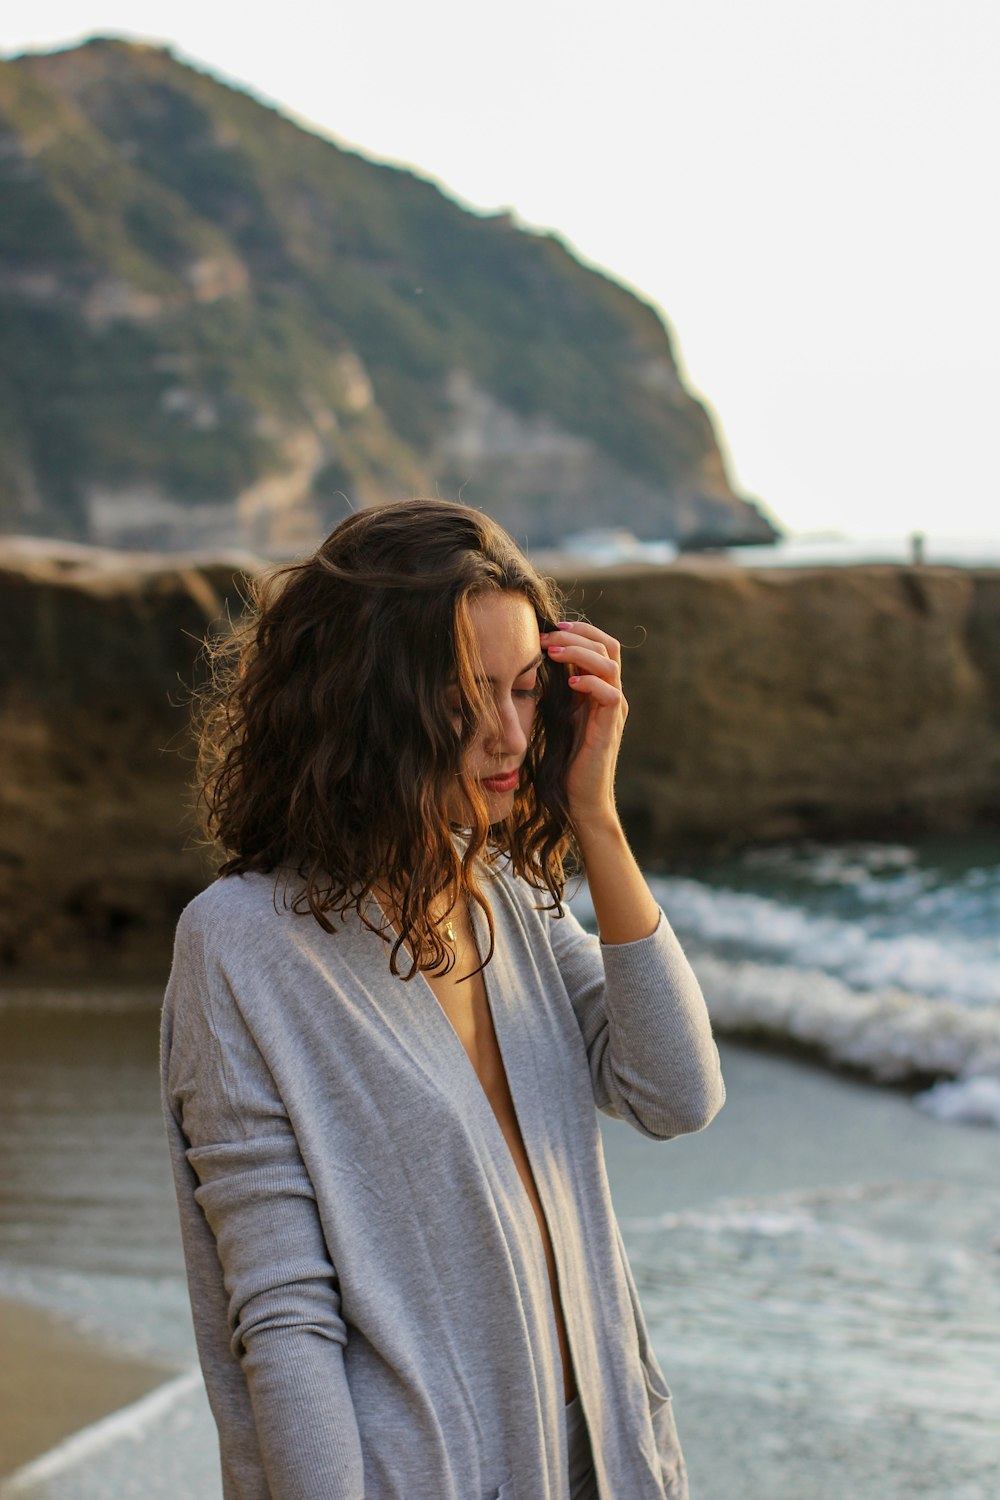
(449, 931)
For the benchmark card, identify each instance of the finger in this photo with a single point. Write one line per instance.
(585, 659)
(567, 639)
(592, 634)
(603, 693)
(595, 639)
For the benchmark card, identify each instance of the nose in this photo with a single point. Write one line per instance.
(507, 737)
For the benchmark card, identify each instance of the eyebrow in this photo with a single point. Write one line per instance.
(523, 672)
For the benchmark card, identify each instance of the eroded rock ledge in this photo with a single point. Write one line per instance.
(766, 705)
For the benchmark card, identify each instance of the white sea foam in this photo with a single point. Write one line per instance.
(892, 1034)
(831, 864)
(976, 1101)
(901, 979)
(130, 1424)
(940, 964)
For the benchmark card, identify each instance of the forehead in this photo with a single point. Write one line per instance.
(507, 633)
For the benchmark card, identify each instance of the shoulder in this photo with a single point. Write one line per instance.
(234, 905)
(231, 940)
(229, 929)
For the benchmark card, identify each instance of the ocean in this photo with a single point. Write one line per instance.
(880, 957)
(818, 1268)
(607, 546)
(831, 549)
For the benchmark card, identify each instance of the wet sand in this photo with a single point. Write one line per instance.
(54, 1381)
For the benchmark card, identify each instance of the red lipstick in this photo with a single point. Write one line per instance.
(505, 783)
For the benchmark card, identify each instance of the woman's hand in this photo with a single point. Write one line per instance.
(625, 908)
(593, 660)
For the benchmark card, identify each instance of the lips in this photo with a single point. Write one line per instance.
(505, 783)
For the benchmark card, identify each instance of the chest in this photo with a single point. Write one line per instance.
(465, 1005)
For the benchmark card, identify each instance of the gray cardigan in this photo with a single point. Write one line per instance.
(370, 1294)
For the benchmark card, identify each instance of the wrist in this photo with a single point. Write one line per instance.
(597, 828)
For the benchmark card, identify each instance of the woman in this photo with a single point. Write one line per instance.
(384, 1039)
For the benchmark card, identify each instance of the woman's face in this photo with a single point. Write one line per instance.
(507, 632)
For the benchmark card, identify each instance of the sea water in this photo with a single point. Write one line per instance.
(884, 957)
(833, 550)
(610, 547)
(875, 956)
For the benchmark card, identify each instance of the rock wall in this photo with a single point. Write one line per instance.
(97, 843)
(814, 702)
(765, 705)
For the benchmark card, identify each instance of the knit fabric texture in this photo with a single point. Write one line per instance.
(370, 1294)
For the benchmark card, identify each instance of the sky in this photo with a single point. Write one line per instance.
(806, 189)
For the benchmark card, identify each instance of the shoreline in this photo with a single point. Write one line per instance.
(56, 1381)
(792, 1133)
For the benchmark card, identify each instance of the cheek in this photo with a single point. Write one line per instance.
(474, 753)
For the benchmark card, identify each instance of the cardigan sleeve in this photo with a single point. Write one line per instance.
(653, 1061)
(246, 1180)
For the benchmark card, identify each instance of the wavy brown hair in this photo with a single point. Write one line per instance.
(328, 741)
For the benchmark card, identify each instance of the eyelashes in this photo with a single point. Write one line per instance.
(532, 695)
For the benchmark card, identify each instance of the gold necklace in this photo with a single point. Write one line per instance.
(449, 931)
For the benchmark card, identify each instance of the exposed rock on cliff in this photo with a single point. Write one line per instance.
(96, 844)
(775, 704)
(765, 705)
(217, 326)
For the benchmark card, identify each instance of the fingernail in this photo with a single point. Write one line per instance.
(565, 625)
(573, 681)
(554, 649)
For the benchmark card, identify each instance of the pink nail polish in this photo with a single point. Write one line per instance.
(573, 681)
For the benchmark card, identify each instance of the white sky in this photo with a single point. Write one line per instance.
(807, 189)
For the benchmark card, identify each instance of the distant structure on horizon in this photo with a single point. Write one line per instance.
(222, 330)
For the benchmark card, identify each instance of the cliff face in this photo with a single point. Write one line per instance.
(215, 326)
(767, 705)
(95, 852)
(815, 702)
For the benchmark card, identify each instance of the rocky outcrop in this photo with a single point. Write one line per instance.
(98, 849)
(823, 702)
(765, 705)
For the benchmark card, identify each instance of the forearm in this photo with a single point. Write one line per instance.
(623, 903)
(304, 1416)
(645, 1026)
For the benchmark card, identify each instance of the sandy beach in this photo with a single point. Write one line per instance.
(795, 1147)
(55, 1381)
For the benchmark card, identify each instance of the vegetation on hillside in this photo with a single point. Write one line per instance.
(186, 275)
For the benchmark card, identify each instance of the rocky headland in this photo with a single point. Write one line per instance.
(223, 329)
(765, 704)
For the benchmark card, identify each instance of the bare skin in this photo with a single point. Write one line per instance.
(511, 649)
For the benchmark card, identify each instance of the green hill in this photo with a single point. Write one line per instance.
(215, 325)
